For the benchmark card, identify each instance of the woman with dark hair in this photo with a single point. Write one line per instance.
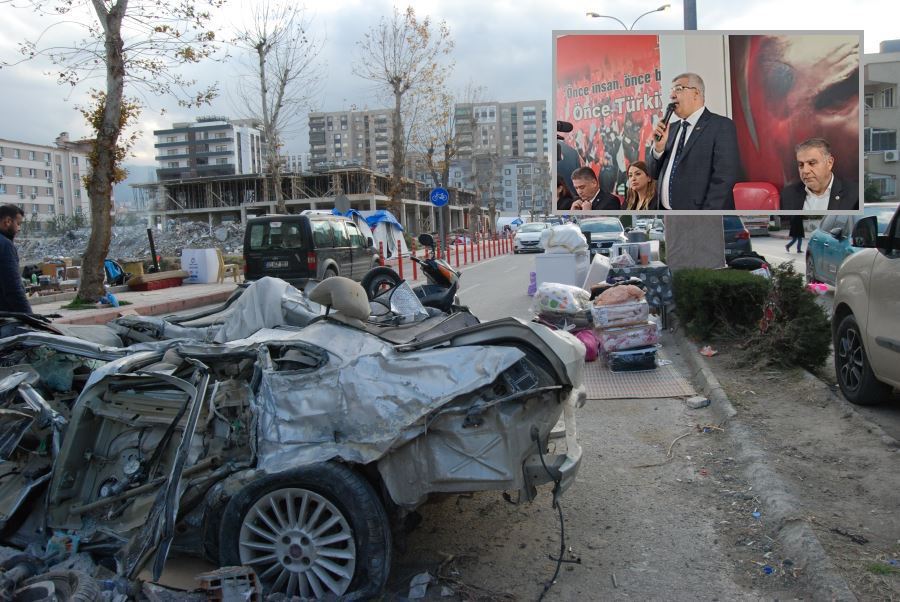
(564, 198)
(641, 192)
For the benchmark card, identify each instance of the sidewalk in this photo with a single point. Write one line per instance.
(146, 303)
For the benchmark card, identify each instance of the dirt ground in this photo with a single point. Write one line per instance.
(641, 525)
(843, 471)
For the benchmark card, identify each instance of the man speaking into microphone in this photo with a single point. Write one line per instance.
(696, 158)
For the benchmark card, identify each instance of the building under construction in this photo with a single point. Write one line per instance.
(232, 198)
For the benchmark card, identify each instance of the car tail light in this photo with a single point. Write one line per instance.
(311, 261)
(743, 235)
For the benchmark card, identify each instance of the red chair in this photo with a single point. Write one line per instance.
(756, 196)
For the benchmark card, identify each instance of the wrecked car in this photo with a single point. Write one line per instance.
(292, 451)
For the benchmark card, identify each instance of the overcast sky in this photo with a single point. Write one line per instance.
(504, 45)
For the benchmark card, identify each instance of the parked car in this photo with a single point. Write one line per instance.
(865, 322)
(737, 237)
(528, 237)
(299, 248)
(831, 243)
(602, 233)
(657, 229)
(757, 225)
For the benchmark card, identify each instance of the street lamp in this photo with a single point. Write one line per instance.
(619, 21)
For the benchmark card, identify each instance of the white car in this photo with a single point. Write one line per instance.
(865, 323)
(528, 237)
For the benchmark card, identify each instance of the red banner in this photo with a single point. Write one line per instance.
(608, 88)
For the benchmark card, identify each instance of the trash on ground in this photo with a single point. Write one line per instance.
(708, 351)
(697, 401)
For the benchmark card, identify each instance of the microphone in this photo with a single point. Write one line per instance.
(669, 110)
(564, 126)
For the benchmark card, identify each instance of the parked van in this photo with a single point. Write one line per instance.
(299, 248)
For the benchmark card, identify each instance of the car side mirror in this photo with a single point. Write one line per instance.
(865, 233)
(838, 233)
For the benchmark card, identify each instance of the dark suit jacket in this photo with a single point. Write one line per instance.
(709, 166)
(604, 201)
(844, 196)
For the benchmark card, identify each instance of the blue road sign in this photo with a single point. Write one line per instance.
(439, 197)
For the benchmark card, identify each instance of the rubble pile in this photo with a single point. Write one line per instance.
(131, 242)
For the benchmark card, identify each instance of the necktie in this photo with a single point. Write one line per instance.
(682, 134)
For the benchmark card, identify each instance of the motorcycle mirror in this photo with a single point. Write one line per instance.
(426, 240)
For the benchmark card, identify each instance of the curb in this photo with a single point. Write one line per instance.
(794, 533)
(102, 316)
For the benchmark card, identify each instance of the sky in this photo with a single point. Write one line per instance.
(503, 45)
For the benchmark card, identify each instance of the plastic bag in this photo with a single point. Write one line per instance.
(625, 293)
(628, 337)
(632, 359)
(591, 345)
(623, 314)
(622, 261)
(566, 238)
(555, 298)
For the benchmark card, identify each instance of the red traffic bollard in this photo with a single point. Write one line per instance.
(399, 259)
(415, 269)
(380, 253)
(456, 249)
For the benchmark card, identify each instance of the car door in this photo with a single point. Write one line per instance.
(360, 251)
(816, 245)
(324, 243)
(835, 248)
(342, 253)
(883, 326)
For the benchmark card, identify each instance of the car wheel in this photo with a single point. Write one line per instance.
(810, 270)
(851, 365)
(67, 586)
(329, 273)
(378, 280)
(315, 531)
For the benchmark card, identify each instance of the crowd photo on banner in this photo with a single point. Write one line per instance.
(696, 121)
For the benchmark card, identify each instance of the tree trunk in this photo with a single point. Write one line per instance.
(102, 161)
(399, 153)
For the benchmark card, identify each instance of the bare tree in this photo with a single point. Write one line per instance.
(285, 77)
(135, 43)
(402, 54)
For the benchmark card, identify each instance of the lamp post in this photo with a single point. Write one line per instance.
(633, 23)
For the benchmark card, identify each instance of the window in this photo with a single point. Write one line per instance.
(74, 160)
(173, 163)
(20, 190)
(876, 140)
(48, 191)
(2, 188)
(172, 151)
(887, 185)
(78, 210)
(356, 237)
(48, 174)
(59, 185)
(17, 153)
(171, 139)
(322, 234)
(340, 235)
(32, 173)
(887, 98)
(34, 190)
(220, 134)
(221, 147)
(222, 161)
(869, 100)
(31, 155)
(19, 172)
(77, 194)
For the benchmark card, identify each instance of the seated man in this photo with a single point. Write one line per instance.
(819, 189)
(590, 196)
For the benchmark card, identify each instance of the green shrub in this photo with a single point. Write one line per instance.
(799, 332)
(718, 302)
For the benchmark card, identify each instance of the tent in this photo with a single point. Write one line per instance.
(382, 226)
(386, 230)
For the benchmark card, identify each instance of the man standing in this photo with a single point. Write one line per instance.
(819, 189)
(12, 293)
(590, 196)
(698, 165)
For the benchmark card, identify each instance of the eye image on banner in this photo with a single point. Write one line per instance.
(708, 122)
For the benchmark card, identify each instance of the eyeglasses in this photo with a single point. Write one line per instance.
(679, 88)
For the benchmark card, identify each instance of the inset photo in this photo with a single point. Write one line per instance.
(699, 122)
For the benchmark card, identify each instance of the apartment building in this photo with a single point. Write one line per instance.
(882, 118)
(45, 181)
(351, 138)
(507, 129)
(210, 146)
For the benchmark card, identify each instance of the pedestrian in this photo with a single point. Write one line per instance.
(12, 292)
(796, 233)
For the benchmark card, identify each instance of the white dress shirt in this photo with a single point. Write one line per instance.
(818, 202)
(663, 187)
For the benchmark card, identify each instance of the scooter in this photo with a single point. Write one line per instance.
(442, 280)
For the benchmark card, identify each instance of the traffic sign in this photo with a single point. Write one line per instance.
(439, 197)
